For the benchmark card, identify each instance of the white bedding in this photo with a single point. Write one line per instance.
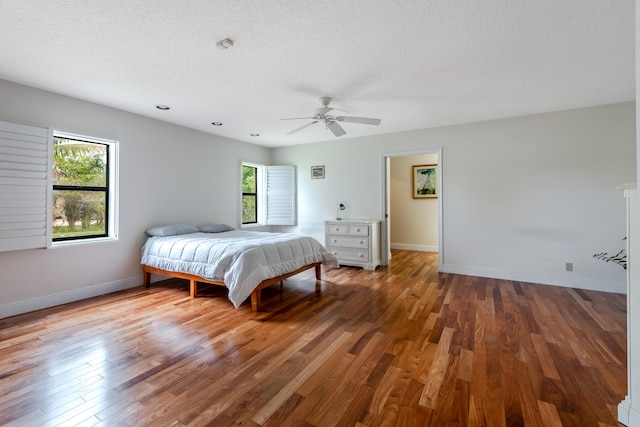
(241, 259)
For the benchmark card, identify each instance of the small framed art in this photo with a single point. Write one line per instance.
(425, 185)
(317, 172)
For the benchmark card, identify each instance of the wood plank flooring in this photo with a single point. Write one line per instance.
(401, 346)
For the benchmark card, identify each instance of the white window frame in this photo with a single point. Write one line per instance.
(259, 195)
(112, 230)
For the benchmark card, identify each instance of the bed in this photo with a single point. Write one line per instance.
(243, 261)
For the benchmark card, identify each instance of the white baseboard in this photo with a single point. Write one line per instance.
(567, 282)
(20, 307)
(628, 414)
(623, 411)
(419, 248)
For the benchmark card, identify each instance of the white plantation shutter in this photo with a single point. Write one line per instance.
(25, 186)
(281, 195)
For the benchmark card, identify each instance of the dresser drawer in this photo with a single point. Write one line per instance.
(350, 254)
(359, 230)
(336, 229)
(347, 241)
(353, 230)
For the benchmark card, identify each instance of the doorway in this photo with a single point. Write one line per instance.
(432, 206)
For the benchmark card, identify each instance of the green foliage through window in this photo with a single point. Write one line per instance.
(80, 189)
(249, 194)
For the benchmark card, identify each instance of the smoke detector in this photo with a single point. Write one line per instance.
(224, 44)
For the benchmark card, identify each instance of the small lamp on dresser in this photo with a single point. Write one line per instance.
(341, 207)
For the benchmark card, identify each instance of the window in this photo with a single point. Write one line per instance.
(44, 203)
(268, 195)
(249, 194)
(83, 188)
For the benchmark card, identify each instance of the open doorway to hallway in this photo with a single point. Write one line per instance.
(411, 223)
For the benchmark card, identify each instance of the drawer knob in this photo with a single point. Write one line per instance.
(335, 240)
(358, 230)
(361, 242)
(361, 256)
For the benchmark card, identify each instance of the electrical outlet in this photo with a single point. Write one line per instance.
(568, 266)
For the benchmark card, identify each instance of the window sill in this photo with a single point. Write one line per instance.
(253, 226)
(66, 243)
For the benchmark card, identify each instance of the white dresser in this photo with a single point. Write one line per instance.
(354, 242)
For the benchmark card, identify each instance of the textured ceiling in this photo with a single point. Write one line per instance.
(412, 63)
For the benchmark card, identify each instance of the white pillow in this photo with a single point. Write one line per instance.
(215, 228)
(171, 230)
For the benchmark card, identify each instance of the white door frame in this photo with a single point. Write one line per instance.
(384, 238)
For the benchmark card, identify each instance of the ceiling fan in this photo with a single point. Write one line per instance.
(331, 122)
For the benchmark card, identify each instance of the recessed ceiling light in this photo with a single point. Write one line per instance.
(216, 123)
(162, 107)
(255, 134)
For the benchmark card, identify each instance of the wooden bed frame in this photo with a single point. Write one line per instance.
(255, 295)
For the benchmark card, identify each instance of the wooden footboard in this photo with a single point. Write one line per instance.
(255, 295)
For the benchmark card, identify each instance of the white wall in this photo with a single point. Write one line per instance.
(413, 222)
(168, 174)
(521, 196)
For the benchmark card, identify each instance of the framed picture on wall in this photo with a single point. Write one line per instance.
(425, 185)
(317, 172)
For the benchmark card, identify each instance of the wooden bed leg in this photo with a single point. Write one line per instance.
(256, 297)
(146, 278)
(318, 278)
(192, 288)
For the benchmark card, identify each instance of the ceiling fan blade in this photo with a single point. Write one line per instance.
(302, 127)
(298, 118)
(361, 120)
(335, 128)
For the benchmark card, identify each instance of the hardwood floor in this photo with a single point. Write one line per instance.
(401, 346)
